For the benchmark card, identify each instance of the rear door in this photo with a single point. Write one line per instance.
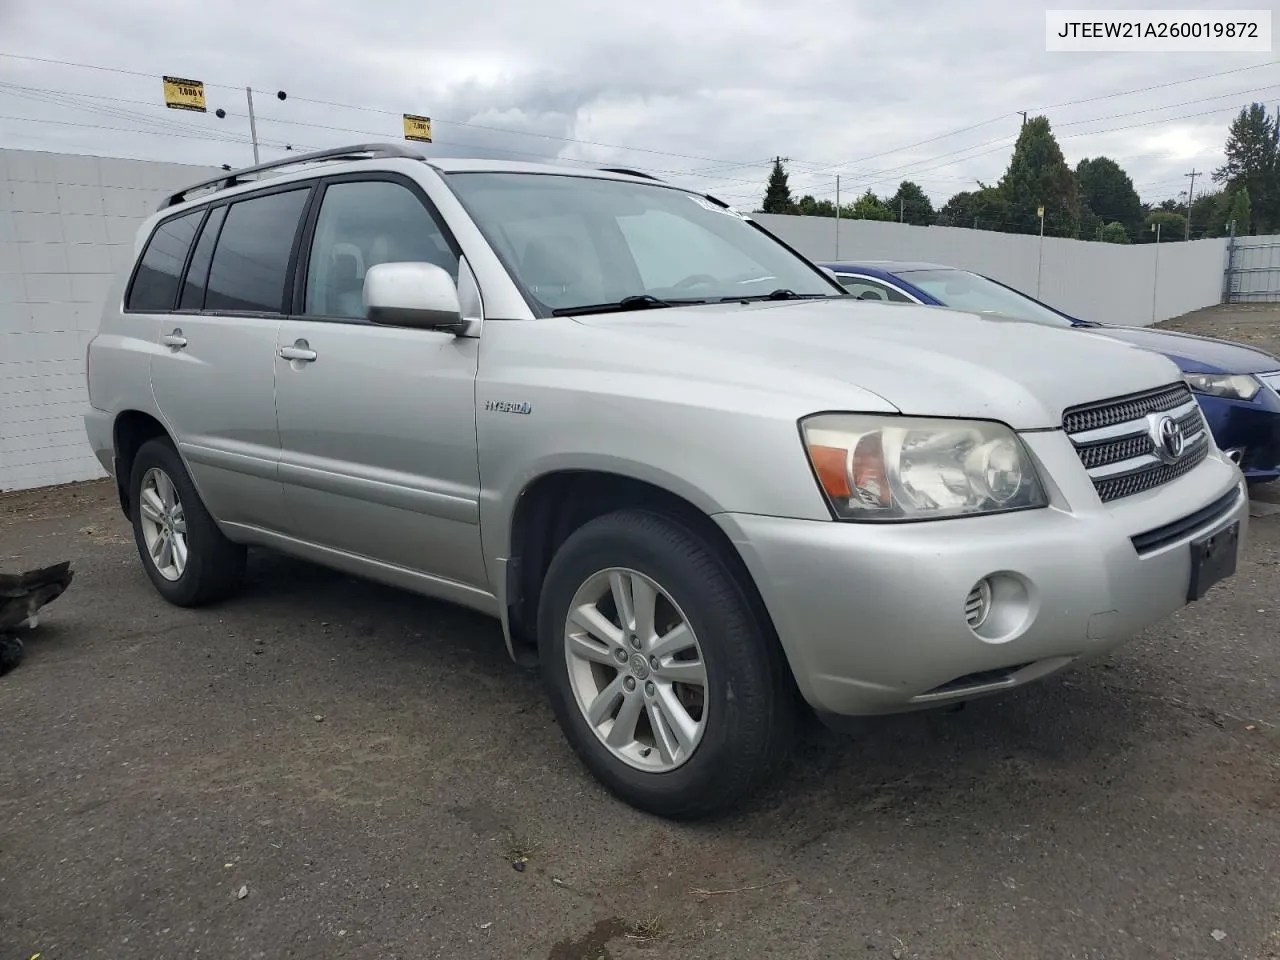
(213, 373)
(377, 423)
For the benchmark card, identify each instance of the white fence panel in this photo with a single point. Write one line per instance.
(67, 222)
(1135, 285)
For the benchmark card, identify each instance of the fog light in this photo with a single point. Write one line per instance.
(977, 605)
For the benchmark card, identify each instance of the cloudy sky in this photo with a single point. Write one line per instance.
(702, 93)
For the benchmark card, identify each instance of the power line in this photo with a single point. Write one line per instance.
(1157, 86)
(394, 113)
(1069, 103)
(714, 173)
(907, 171)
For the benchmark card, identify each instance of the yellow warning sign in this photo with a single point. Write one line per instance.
(183, 94)
(417, 128)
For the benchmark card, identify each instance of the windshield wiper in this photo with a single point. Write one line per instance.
(782, 293)
(640, 301)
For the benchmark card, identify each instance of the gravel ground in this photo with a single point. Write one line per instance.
(325, 768)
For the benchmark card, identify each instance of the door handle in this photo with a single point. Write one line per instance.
(301, 350)
(175, 339)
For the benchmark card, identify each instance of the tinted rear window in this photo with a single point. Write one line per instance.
(198, 272)
(155, 286)
(251, 263)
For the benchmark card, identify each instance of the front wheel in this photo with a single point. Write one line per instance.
(666, 683)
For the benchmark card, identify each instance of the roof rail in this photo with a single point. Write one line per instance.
(630, 173)
(359, 151)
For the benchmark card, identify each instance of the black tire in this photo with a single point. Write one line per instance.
(215, 565)
(751, 698)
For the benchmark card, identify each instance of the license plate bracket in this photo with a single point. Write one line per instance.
(1213, 559)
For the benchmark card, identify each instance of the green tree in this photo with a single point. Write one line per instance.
(1114, 232)
(1037, 176)
(1241, 211)
(1108, 193)
(911, 204)
(777, 195)
(1172, 226)
(1253, 163)
(1090, 224)
(1205, 219)
(807, 206)
(870, 207)
(957, 211)
(991, 209)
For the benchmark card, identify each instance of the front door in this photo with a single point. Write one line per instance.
(213, 372)
(377, 424)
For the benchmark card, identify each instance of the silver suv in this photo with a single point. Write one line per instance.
(699, 485)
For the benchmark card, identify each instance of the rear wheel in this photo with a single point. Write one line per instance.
(187, 558)
(664, 680)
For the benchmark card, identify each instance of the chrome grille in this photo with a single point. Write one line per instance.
(1102, 453)
(1114, 442)
(1108, 413)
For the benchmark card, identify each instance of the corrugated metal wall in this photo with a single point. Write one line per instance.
(1135, 285)
(1254, 271)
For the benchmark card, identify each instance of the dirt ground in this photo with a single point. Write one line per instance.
(326, 768)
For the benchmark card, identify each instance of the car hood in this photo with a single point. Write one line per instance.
(922, 360)
(1193, 353)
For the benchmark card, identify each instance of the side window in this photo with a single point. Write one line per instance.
(250, 267)
(865, 289)
(155, 285)
(198, 272)
(363, 223)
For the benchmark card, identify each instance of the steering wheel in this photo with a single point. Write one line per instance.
(693, 280)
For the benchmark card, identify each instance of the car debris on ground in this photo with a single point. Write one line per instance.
(21, 597)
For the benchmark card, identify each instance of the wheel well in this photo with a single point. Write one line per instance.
(133, 428)
(557, 504)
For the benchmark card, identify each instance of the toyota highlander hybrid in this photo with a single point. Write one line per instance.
(700, 486)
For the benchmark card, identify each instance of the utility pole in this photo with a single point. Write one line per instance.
(1191, 196)
(1024, 117)
(253, 119)
(1040, 254)
(837, 216)
(1155, 271)
(253, 123)
(901, 206)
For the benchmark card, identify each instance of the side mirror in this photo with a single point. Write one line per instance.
(411, 294)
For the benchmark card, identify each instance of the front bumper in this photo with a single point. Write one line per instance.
(1250, 429)
(872, 616)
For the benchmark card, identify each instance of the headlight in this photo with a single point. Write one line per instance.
(1233, 386)
(911, 468)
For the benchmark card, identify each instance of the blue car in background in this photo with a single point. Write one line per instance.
(1238, 387)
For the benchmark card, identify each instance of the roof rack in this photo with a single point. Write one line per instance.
(360, 151)
(630, 173)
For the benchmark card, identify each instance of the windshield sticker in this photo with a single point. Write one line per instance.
(715, 208)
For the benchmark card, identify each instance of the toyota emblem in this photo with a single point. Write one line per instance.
(1170, 441)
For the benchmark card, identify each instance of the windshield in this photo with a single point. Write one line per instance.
(968, 291)
(578, 242)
